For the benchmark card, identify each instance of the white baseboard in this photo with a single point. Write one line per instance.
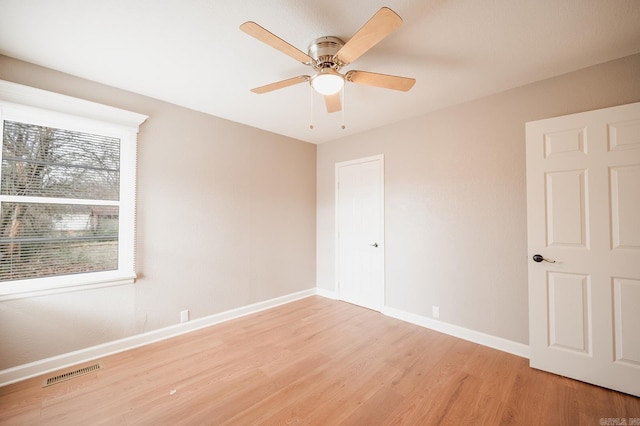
(494, 342)
(328, 294)
(33, 369)
(37, 368)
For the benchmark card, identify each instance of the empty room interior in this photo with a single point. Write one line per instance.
(195, 229)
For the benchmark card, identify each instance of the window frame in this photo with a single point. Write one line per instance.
(35, 106)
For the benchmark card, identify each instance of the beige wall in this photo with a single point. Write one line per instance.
(226, 218)
(456, 198)
(227, 213)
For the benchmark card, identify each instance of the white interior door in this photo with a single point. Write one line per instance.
(583, 207)
(360, 231)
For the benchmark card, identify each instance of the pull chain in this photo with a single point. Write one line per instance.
(311, 107)
(343, 108)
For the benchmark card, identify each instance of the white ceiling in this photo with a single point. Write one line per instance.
(191, 52)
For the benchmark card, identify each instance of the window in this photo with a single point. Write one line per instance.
(67, 193)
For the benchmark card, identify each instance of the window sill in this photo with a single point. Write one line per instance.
(90, 283)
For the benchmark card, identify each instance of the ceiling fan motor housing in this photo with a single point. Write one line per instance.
(323, 51)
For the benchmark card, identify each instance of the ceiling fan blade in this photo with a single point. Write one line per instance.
(383, 23)
(385, 81)
(281, 84)
(256, 31)
(333, 102)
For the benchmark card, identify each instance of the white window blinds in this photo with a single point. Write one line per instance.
(70, 223)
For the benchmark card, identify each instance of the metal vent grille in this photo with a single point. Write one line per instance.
(71, 374)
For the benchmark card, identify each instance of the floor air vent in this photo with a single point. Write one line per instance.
(71, 374)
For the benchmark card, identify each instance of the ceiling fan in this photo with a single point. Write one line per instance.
(327, 55)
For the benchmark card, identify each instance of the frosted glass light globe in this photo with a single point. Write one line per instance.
(327, 82)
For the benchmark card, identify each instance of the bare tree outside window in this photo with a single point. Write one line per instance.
(60, 213)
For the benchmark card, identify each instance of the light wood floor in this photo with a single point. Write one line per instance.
(314, 361)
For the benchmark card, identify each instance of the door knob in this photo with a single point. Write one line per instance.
(374, 245)
(539, 258)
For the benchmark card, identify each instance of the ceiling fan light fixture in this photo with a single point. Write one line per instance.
(327, 82)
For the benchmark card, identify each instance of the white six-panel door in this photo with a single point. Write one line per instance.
(583, 207)
(360, 231)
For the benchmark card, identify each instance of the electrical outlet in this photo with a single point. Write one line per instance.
(184, 315)
(435, 311)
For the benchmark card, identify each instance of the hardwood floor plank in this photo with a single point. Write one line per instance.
(376, 409)
(313, 361)
(497, 370)
(525, 401)
(560, 402)
(419, 363)
(432, 392)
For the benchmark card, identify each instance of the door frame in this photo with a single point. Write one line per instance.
(380, 158)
